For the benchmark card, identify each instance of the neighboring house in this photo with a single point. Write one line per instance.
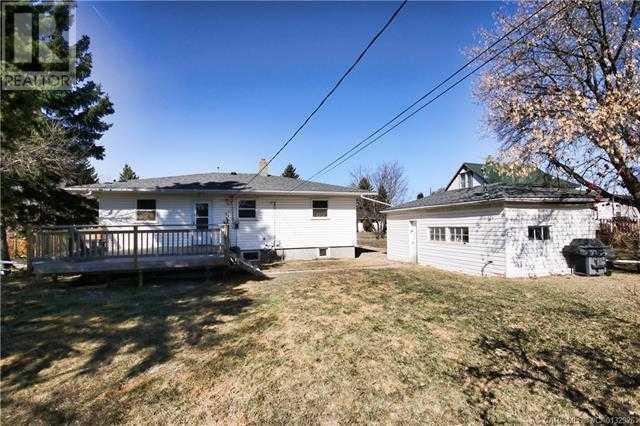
(476, 174)
(491, 228)
(316, 220)
(610, 209)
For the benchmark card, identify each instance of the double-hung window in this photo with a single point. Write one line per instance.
(437, 233)
(539, 233)
(146, 210)
(459, 234)
(202, 215)
(320, 208)
(247, 209)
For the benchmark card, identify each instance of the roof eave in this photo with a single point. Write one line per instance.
(494, 200)
(88, 190)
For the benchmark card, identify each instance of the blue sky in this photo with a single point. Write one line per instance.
(207, 85)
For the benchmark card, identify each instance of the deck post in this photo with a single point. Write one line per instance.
(71, 231)
(135, 255)
(30, 242)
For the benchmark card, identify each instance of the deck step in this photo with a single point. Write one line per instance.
(238, 261)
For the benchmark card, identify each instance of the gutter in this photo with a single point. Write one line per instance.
(503, 200)
(80, 190)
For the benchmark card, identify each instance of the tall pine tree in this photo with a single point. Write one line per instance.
(290, 172)
(38, 198)
(127, 173)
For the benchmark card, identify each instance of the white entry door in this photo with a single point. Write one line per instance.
(413, 241)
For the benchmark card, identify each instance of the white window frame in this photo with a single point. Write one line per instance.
(155, 211)
(326, 254)
(544, 233)
(255, 209)
(457, 234)
(195, 213)
(437, 233)
(313, 209)
(463, 180)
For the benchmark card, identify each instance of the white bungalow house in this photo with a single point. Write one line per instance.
(263, 214)
(483, 228)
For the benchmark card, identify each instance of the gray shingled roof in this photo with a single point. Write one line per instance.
(536, 178)
(495, 192)
(233, 182)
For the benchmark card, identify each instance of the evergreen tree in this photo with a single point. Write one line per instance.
(36, 197)
(127, 173)
(420, 196)
(365, 184)
(290, 172)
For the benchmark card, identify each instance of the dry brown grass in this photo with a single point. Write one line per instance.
(410, 345)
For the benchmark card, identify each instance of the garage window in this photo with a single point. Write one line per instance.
(539, 233)
(459, 234)
(437, 233)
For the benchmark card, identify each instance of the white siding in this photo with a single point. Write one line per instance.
(121, 209)
(484, 253)
(608, 210)
(455, 183)
(289, 224)
(538, 258)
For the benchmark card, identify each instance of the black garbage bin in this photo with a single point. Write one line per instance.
(587, 256)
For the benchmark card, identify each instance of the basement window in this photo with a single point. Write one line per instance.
(322, 252)
(437, 233)
(146, 210)
(539, 233)
(459, 234)
(251, 255)
(320, 208)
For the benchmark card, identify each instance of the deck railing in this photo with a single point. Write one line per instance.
(95, 242)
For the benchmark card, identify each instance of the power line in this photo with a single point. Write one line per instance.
(333, 89)
(328, 167)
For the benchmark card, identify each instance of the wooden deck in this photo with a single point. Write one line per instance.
(124, 264)
(67, 250)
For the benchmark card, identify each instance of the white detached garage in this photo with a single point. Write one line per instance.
(492, 229)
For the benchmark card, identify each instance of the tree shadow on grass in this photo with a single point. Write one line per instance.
(597, 380)
(45, 324)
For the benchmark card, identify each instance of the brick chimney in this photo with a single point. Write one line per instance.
(263, 168)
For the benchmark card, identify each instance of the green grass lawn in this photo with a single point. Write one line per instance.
(408, 345)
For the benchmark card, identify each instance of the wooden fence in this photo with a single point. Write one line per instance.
(622, 234)
(95, 242)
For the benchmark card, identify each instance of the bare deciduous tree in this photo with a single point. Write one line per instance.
(389, 174)
(567, 95)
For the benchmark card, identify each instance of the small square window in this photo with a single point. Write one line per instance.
(539, 233)
(247, 209)
(320, 208)
(322, 252)
(146, 210)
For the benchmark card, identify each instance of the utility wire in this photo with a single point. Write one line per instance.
(355, 147)
(335, 87)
